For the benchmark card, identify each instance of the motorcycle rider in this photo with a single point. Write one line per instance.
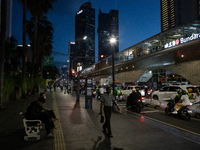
(196, 96)
(178, 96)
(138, 93)
(184, 101)
(190, 93)
(132, 98)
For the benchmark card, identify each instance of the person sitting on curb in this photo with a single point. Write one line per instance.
(50, 111)
(36, 112)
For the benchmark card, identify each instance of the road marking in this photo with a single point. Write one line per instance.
(58, 142)
(165, 123)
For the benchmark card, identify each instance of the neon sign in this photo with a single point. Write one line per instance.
(182, 40)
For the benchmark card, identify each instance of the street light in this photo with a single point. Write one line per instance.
(112, 42)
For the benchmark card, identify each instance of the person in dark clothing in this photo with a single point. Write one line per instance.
(106, 100)
(36, 112)
(132, 98)
(50, 111)
(138, 94)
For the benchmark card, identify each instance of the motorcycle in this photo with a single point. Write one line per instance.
(183, 112)
(136, 107)
(119, 98)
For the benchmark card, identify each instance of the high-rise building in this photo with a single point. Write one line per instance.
(178, 12)
(108, 27)
(71, 54)
(85, 35)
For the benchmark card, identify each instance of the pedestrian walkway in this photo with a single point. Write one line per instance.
(80, 128)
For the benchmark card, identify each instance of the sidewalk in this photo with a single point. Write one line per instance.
(79, 129)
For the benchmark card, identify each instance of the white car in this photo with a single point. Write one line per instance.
(168, 92)
(128, 90)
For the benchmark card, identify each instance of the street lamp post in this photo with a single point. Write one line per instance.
(112, 42)
(78, 76)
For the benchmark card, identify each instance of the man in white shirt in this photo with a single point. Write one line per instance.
(183, 101)
(107, 99)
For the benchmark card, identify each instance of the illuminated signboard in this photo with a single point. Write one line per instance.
(182, 40)
(79, 12)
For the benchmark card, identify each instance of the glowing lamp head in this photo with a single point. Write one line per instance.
(112, 40)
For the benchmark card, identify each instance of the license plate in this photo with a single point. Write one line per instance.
(190, 111)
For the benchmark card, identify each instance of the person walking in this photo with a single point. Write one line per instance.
(107, 99)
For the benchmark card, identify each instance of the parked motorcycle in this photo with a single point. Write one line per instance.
(183, 112)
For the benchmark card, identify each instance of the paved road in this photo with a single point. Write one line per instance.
(79, 129)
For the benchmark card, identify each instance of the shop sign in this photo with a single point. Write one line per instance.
(182, 40)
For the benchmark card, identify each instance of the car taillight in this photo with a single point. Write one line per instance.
(188, 106)
(142, 98)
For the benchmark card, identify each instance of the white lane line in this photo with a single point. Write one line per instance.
(58, 142)
(166, 123)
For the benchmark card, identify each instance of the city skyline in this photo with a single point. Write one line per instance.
(135, 22)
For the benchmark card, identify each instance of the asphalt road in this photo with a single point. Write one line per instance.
(159, 116)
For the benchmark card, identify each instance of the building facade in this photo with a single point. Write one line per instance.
(108, 27)
(85, 36)
(178, 12)
(71, 54)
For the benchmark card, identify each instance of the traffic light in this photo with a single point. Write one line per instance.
(101, 57)
(173, 75)
(73, 72)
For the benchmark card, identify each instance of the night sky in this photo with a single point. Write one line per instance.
(138, 20)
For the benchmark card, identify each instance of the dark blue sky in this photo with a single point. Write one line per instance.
(138, 20)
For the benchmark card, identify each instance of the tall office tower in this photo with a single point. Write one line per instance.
(108, 27)
(71, 54)
(8, 17)
(178, 12)
(85, 35)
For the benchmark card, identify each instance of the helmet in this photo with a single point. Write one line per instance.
(184, 92)
(133, 89)
(190, 90)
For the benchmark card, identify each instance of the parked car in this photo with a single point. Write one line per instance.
(166, 93)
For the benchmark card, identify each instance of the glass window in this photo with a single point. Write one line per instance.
(164, 89)
(125, 88)
(173, 89)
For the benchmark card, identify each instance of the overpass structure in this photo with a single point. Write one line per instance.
(176, 50)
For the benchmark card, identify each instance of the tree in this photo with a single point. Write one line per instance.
(2, 47)
(37, 9)
(24, 2)
(45, 36)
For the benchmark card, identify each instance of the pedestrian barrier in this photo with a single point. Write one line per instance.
(32, 127)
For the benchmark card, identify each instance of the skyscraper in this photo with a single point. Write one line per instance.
(85, 35)
(178, 12)
(71, 54)
(107, 28)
